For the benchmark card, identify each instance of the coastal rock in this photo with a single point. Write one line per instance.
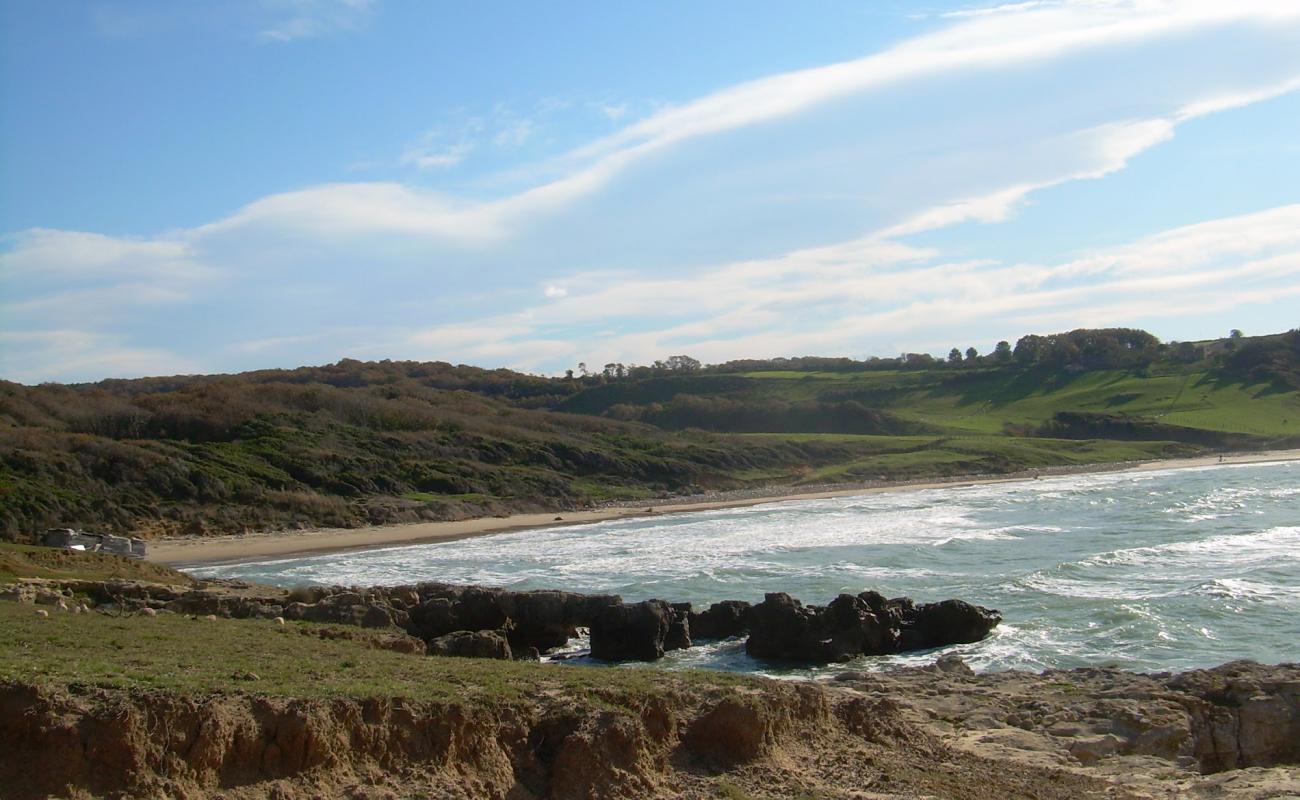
(546, 619)
(472, 644)
(865, 624)
(541, 619)
(1248, 715)
(782, 627)
(679, 628)
(951, 622)
(720, 620)
(632, 632)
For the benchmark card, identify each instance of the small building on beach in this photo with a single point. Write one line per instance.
(71, 539)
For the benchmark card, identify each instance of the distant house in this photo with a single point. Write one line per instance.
(69, 539)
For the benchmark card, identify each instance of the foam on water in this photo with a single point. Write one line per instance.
(1157, 570)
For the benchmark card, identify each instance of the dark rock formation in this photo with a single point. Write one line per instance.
(636, 631)
(783, 627)
(721, 620)
(865, 624)
(471, 644)
(951, 622)
(779, 627)
(679, 628)
(541, 619)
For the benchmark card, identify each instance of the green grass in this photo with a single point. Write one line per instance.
(31, 561)
(906, 457)
(983, 401)
(434, 497)
(197, 656)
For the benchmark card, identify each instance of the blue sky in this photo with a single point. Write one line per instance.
(214, 187)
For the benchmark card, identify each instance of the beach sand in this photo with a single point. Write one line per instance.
(261, 546)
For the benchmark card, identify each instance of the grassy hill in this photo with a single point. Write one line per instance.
(359, 443)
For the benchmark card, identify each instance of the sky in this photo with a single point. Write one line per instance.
(200, 187)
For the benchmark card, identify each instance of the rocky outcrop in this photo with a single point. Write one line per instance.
(720, 620)
(667, 742)
(781, 627)
(471, 644)
(638, 631)
(944, 623)
(1244, 715)
(536, 621)
(1241, 715)
(542, 619)
(928, 732)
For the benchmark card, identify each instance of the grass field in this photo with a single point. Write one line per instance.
(984, 402)
(31, 561)
(895, 457)
(176, 653)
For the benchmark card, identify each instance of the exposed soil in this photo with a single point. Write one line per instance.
(937, 732)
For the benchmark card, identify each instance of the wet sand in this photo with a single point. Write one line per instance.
(262, 546)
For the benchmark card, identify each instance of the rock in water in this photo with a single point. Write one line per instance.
(866, 624)
(627, 632)
(721, 620)
(783, 627)
(953, 622)
(679, 628)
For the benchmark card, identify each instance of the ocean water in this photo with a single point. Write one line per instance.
(1156, 570)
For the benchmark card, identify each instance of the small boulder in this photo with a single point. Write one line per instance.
(471, 644)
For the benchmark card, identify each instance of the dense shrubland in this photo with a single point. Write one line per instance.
(357, 443)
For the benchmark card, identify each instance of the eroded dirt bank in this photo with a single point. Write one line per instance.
(1229, 732)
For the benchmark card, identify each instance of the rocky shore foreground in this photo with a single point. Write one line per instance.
(120, 689)
(486, 622)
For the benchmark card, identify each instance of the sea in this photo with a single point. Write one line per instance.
(1152, 570)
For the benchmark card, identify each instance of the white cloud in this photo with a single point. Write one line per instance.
(995, 41)
(71, 355)
(427, 158)
(305, 19)
(873, 288)
(808, 299)
(78, 254)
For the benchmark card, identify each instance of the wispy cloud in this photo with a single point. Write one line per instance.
(305, 19)
(429, 157)
(869, 290)
(69, 354)
(985, 42)
(576, 258)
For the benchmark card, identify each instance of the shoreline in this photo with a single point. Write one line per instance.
(285, 544)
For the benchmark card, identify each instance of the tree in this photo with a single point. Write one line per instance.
(682, 364)
(1003, 351)
(954, 356)
(1235, 333)
(582, 368)
(972, 355)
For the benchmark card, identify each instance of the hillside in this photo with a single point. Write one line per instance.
(356, 443)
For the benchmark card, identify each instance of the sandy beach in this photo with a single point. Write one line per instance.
(259, 546)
